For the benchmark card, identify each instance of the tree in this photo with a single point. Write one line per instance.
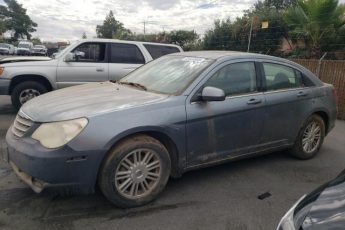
(110, 27)
(317, 21)
(2, 27)
(220, 37)
(234, 35)
(36, 41)
(14, 17)
(184, 38)
(84, 36)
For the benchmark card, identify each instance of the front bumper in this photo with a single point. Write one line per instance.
(288, 222)
(39, 53)
(23, 52)
(4, 51)
(41, 168)
(4, 86)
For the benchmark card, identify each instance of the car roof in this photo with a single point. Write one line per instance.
(230, 55)
(125, 41)
(210, 54)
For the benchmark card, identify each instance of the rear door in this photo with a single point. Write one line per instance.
(288, 102)
(123, 59)
(90, 65)
(218, 130)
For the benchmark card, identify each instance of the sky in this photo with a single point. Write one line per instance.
(67, 20)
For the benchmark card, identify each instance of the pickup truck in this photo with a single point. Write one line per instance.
(88, 60)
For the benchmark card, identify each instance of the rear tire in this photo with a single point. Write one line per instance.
(309, 139)
(25, 91)
(135, 171)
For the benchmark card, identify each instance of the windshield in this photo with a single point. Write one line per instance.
(2, 45)
(169, 74)
(23, 46)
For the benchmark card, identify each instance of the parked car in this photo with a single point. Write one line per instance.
(324, 208)
(61, 48)
(92, 60)
(6, 49)
(180, 112)
(25, 48)
(39, 50)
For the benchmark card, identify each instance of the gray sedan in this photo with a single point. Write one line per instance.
(177, 113)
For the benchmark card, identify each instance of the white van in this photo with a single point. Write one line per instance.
(25, 48)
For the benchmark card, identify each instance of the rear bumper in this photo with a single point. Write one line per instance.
(4, 86)
(41, 168)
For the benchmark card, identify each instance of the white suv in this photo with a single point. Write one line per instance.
(88, 60)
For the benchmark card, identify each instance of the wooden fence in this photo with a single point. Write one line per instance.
(330, 71)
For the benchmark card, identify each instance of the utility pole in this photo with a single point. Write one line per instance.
(147, 22)
(144, 28)
(250, 34)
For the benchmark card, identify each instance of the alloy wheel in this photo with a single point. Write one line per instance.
(138, 173)
(27, 95)
(311, 137)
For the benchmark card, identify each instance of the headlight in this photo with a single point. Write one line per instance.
(287, 222)
(2, 69)
(56, 134)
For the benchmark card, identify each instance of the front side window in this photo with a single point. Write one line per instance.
(126, 53)
(157, 51)
(90, 52)
(168, 74)
(281, 77)
(235, 79)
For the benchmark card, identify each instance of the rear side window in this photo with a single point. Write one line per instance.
(234, 79)
(282, 77)
(157, 51)
(126, 53)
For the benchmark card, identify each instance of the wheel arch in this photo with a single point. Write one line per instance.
(30, 77)
(325, 117)
(160, 135)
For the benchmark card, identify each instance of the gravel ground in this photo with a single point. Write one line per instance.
(221, 197)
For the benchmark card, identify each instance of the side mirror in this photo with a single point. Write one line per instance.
(210, 93)
(69, 57)
(79, 54)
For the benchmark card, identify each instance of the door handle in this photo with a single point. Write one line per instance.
(301, 94)
(254, 101)
(100, 69)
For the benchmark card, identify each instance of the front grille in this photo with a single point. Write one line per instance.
(21, 125)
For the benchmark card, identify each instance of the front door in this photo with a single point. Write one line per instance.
(90, 65)
(223, 129)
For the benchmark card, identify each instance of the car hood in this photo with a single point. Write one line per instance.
(3, 48)
(31, 61)
(324, 208)
(26, 49)
(87, 100)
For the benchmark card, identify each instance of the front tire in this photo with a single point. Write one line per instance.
(25, 91)
(310, 138)
(135, 172)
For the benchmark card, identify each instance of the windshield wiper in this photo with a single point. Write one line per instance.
(137, 85)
